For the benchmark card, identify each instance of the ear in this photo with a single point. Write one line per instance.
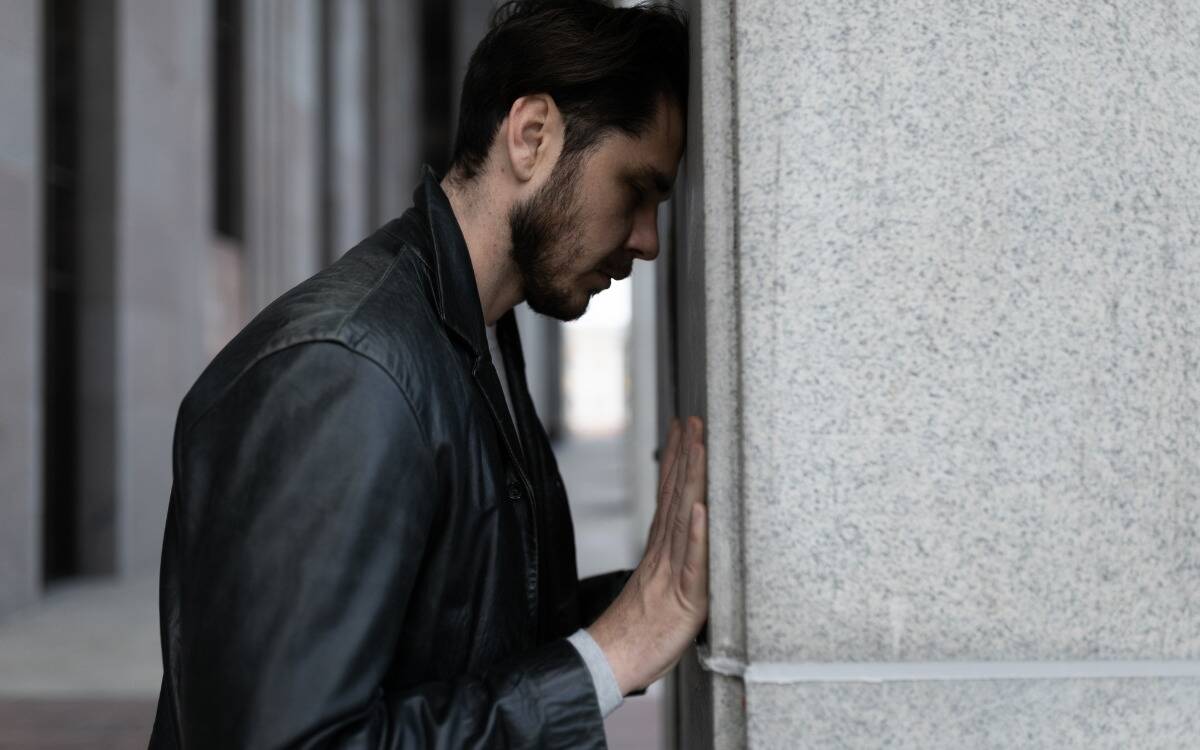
(532, 135)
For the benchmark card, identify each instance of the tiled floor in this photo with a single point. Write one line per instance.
(85, 723)
(88, 638)
(82, 669)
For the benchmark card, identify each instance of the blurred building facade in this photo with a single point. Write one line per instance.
(166, 169)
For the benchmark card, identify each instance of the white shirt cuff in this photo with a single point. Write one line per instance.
(608, 692)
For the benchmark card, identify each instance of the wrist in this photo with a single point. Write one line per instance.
(611, 644)
(608, 690)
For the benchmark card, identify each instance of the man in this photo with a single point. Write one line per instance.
(368, 541)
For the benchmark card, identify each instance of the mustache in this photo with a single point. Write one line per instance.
(617, 272)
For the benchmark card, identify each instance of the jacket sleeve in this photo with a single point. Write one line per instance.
(308, 493)
(596, 593)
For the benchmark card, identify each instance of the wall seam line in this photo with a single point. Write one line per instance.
(948, 671)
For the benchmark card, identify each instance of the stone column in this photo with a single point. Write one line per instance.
(162, 225)
(20, 302)
(946, 259)
(396, 106)
(283, 220)
(347, 206)
(144, 232)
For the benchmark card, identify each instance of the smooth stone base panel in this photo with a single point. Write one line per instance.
(1144, 713)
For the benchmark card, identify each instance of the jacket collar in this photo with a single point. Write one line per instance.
(455, 293)
(434, 233)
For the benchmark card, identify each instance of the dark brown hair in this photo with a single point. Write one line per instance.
(605, 67)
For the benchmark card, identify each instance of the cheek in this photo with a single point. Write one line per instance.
(619, 224)
(614, 209)
(605, 231)
(605, 239)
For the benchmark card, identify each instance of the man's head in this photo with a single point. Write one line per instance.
(572, 120)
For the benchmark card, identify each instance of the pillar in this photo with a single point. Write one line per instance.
(946, 262)
(347, 206)
(162, 235)
(283, 130)
(20, 302)
(396, 103)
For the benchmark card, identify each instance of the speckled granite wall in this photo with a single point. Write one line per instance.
(952, 293)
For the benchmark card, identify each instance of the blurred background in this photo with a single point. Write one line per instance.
(167, 169)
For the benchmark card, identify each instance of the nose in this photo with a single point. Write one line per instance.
(643, 240)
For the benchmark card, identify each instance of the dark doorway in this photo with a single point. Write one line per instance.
(438, 86)
(228, 172)
(61, 92)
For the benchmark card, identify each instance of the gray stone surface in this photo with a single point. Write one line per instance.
(969, 358)
(20, 302)
(283, 228)
(346, 201)
(163, 235)
(704, 263)
(701, 282)
(395, 95)
(1063, 714)
(143, 241)
(950, 360)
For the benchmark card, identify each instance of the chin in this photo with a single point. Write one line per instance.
(574, 312)
(561, 307)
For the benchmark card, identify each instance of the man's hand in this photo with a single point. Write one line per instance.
(664, 604)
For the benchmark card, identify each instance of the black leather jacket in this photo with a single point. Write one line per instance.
(362, 549)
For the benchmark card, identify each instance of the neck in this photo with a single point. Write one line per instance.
(484, 225)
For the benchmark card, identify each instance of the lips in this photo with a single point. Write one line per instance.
(617, 274)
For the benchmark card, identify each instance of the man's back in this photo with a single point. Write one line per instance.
(359, 536)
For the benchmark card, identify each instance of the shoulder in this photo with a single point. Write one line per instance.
(366, 323)
(310, 385)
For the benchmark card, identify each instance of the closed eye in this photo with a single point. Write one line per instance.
(637, 196)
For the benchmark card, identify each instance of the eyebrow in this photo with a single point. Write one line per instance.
(648, 173)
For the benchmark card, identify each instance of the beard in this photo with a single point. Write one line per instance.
(550, 220)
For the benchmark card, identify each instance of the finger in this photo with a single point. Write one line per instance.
(667, 464)
(670, 456)
(669, 504)
(681, 465)
(691, 493)
(694, 580)
(676, 444)
(687, 440)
